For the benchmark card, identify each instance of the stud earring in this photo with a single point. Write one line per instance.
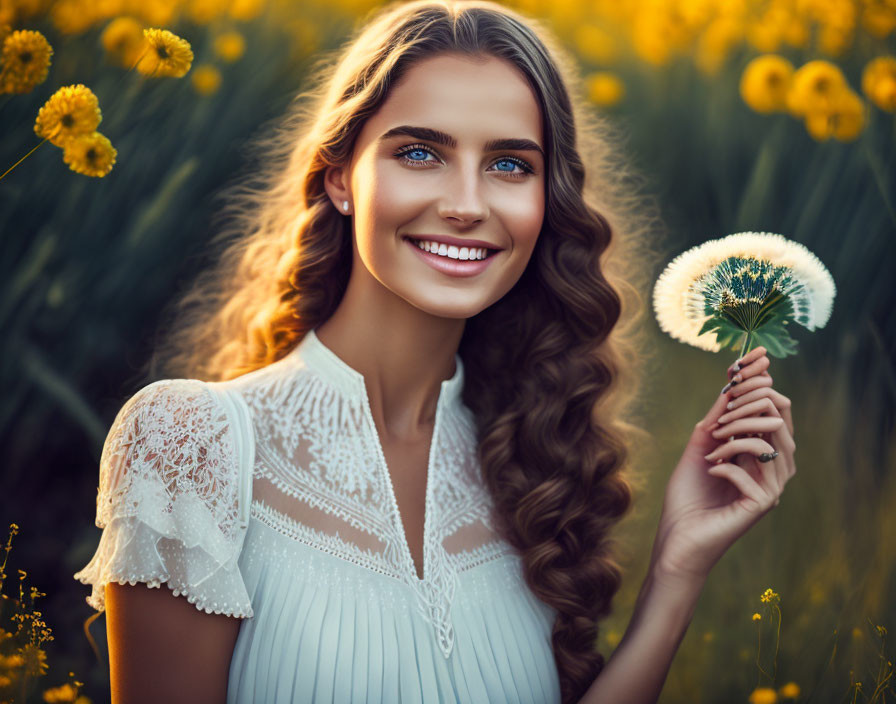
(345, 205)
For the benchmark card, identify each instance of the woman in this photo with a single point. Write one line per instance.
(389, 468)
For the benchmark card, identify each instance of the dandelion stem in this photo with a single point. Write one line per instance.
(22, 159)
(745, 348)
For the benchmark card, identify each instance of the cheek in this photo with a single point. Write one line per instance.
(523, 217)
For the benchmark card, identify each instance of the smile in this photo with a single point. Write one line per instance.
(450, 266)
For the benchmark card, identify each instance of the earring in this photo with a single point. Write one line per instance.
(345, 205)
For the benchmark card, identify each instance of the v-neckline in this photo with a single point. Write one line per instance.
(351, 381)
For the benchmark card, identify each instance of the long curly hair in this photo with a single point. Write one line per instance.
(548, 384)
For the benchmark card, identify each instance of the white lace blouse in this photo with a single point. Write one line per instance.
(267, 498)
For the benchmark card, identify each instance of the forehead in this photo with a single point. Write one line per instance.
(473, 99)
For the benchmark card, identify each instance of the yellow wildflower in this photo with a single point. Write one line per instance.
(11, 661)
(167, 54)
(158, 12)
(834, 40)
(613, 637)
(879, 20)
(73, 16)
(123, 39)
(791, 690)
(769, 596)
(35, 660)
(83, 700)
(245, 10)
(757, 617)
(763, 695)
(26, 61)
(70, 112)
(595, 44)
(91, 155)
(604, 88)
(879, 82)
(765, 83)
(5, 681)
(63, 693)
(817, 86)
(845, 122)
(206, 79)
(715, 44)
(230, 46)
(204, 11)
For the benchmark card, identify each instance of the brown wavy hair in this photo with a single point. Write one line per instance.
(546, 381)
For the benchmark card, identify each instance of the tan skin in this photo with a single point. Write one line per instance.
(457, 190)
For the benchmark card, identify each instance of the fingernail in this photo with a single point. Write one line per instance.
(735, 368)
(728, 385)
(730, 405)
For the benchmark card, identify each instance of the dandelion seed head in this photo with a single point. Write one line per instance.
(734, 277)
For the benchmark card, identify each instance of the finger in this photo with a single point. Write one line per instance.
(768, 472)
(735, 390)
(717, 409)
(754, 408)
(745, 361)
(744, 482)
(750, 424)
(755, 367)
(782, 403)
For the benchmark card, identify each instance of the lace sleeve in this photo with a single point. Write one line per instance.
(168, 500)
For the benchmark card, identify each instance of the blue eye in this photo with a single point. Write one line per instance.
(404, 152)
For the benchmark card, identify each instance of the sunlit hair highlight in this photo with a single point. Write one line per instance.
(549, 385)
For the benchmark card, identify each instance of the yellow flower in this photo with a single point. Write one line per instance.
(791, 690)
(879, 82)
(26, 61)
(834, 40)
(230, 46)
(5, 681)
(879, 20)
(763, 695)
(765, 83)
(11, 661)
(63, 693)
(158, 12)
(845, 122)
(817, 86)
(245, 10)
(757, 617)
(595, 44)
(167, 54)
(716, 42)
(70, 112)
(91, 155)
(613, 637)
(204, 11)
(73, 16)
(769, 596)
(206, 79)
(123, 40)
(604, 88)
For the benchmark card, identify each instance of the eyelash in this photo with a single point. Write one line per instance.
(527, 168)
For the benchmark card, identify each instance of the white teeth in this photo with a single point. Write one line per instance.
(451, 251)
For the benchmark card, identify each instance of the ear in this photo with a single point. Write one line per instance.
(336, 181)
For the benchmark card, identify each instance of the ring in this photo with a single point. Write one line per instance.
(766, 457)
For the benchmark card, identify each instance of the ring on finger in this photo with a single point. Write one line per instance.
(767, 456)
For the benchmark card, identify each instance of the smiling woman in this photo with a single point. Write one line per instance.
(386, 451)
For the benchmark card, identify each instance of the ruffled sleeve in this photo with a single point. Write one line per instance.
(169, 499)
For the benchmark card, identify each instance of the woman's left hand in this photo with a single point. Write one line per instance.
(707, 505)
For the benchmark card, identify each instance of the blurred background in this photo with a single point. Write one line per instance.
(763, 115)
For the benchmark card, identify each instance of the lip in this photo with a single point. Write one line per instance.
(452, 267)
(456, 241)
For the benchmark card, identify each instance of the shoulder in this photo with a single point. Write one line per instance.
(172, 436)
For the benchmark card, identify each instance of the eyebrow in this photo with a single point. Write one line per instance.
(445, 139)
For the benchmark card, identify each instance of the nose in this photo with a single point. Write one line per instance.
(463, 198)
